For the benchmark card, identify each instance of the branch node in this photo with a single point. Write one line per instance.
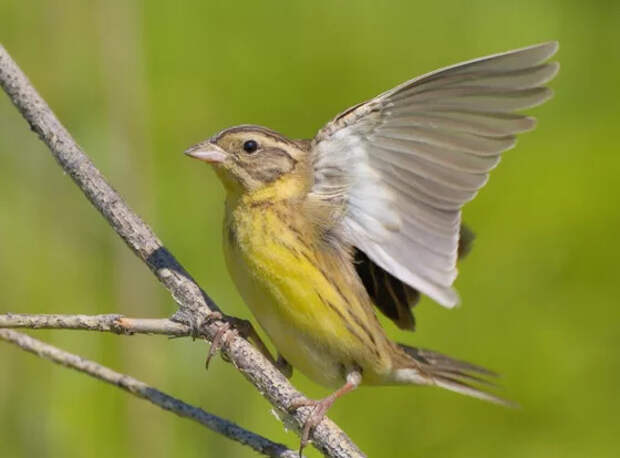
(194, 303)
(119, 326)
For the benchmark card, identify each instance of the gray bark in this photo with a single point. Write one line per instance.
(194, 304)
(142, 390)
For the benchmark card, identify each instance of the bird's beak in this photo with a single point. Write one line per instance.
(207, 152)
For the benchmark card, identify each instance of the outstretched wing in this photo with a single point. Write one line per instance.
(403, 164)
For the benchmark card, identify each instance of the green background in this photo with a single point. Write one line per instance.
(138, 82)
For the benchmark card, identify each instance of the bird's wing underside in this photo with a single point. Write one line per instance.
(404, 163)
(393, 297)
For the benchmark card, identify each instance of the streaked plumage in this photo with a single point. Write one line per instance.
(369, 213)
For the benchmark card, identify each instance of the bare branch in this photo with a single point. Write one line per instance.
(142, 390)
(194, 304)
(118, 324)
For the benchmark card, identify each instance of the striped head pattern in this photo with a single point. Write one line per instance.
(249, 156)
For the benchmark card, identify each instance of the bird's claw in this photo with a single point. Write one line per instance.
(319, 409)
(244, 329)
(218, 342)
(221, 334)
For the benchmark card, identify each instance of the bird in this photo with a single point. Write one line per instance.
(319, 234)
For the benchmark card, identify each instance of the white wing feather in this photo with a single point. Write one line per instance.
(407, 161)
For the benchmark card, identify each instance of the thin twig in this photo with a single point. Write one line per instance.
(194, 304)
(142, 390)
(117, 324)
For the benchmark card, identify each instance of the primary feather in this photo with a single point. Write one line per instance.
(405, 162)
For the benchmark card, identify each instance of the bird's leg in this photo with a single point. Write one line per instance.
(321, 406)
(247, 331)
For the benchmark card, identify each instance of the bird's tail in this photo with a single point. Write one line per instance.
(426, 367)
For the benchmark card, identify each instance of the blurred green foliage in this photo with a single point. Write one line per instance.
(137, 82)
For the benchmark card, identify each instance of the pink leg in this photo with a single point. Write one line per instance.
(321, 406)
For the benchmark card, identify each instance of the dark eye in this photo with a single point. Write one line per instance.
(250, 146)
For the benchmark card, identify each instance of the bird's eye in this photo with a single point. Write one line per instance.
(250, 146)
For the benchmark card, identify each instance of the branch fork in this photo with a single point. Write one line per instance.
(195, 306)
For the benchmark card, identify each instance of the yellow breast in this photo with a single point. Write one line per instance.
(301, 292)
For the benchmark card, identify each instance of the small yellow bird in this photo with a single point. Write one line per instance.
(368, 213)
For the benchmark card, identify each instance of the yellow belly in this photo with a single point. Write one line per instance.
(312, 315)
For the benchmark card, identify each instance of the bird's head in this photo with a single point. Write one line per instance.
(248, 158)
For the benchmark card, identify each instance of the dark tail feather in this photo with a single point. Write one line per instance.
(432, 368)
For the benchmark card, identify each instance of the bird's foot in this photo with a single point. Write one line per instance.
(245, 329)
(319, 409)
(229, 325)
(239, 326)
(218, 342)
